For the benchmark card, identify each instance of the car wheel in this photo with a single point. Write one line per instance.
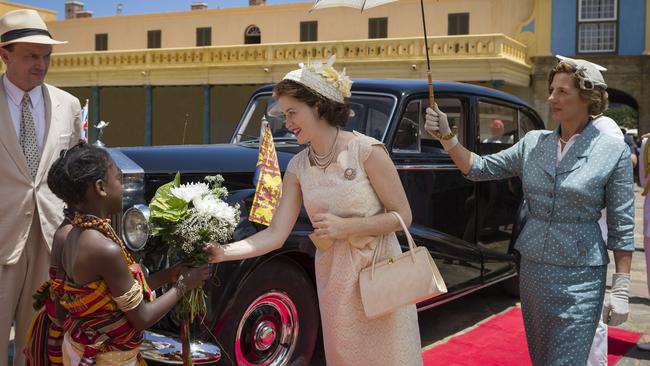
(274, 320)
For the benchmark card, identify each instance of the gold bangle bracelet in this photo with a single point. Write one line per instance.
(130, 299)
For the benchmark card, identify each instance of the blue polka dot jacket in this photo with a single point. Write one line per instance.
(565, 200)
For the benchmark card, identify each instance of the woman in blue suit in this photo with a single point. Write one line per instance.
(569, 175)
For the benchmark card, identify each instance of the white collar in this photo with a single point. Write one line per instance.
(16, 94)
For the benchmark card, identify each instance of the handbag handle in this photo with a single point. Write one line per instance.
(409, 239)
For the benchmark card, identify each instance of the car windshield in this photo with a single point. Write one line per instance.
(370, 115)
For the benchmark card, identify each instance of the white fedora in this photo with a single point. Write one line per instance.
(24, 25)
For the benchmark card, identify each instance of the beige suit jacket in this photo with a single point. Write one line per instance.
(20, 196)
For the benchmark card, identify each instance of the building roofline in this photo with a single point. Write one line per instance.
(25, 6)
(191, 13)
(214, 11)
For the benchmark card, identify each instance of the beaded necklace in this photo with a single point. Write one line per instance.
(104, 227)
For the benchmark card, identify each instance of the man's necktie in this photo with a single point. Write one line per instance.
(28, 136)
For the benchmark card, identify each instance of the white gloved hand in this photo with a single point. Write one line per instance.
(436, 121)
(616, 307)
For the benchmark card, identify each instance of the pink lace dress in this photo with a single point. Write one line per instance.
(349, 337)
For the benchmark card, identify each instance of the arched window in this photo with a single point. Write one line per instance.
(252, 35)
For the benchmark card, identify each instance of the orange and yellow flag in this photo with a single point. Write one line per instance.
(268, 188)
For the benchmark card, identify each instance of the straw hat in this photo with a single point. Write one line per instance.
(323, 79)
(24, 25)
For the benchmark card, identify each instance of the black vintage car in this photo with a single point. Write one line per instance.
(264, 311)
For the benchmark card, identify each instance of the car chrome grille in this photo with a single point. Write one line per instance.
(132, 187)
(116, 222)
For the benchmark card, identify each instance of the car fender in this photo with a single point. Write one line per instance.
(232, 275)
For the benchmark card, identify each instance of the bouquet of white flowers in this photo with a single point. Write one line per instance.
(187, 217)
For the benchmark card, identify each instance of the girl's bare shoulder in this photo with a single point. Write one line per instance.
(96, 246)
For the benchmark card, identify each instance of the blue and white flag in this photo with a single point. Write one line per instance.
(84, 120)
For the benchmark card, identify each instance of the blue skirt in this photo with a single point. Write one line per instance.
(561, 307)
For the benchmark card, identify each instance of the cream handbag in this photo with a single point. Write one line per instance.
(409, 278)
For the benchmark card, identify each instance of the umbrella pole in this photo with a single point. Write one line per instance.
(432, 101)
(426, 47)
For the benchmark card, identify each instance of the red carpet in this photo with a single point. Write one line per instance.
(619, 341)
(501, 341)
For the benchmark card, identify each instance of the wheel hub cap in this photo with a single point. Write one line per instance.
(268, 331)
(264, 335)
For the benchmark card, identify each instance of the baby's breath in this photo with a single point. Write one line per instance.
(208, 219)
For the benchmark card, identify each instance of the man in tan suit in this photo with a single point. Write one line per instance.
(37, 121)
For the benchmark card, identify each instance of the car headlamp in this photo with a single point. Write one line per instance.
(136, 227)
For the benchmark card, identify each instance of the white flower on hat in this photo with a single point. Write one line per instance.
(588, 73)
(324, 79)
(338, 79)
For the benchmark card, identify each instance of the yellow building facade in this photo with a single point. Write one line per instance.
(150, 94)
(281, 23)
(203, 88)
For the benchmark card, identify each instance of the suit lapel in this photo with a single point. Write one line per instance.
(8, 136)
(577, 154)
(548, 148)
(51, 136)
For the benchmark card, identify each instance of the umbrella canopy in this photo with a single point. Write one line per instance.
(367, 4)
(357, 4)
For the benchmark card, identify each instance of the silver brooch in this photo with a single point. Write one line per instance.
(350, 173)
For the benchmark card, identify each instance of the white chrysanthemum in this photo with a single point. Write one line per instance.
(210, 205)
(190, 191)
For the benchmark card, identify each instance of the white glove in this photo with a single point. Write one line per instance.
(436, 121)
(616, 307)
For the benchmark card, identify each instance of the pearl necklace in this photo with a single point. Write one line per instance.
(323, 161)
(591, 118)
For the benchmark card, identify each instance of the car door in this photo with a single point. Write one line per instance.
(496, 203)
(437, 191)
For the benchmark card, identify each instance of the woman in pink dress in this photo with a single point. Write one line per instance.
(347, 183)
(644, 171)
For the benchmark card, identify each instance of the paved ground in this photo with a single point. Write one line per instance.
(461, 315)
(639, 320)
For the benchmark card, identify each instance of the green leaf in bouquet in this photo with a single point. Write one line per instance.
(165, 233)
(165, 208)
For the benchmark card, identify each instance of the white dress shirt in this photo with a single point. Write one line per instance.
(14, 100)
(561, 152)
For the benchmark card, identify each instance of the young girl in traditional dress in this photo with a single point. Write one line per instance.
(97, 281)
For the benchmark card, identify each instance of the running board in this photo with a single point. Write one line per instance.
(167, 349)
(454, 297)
